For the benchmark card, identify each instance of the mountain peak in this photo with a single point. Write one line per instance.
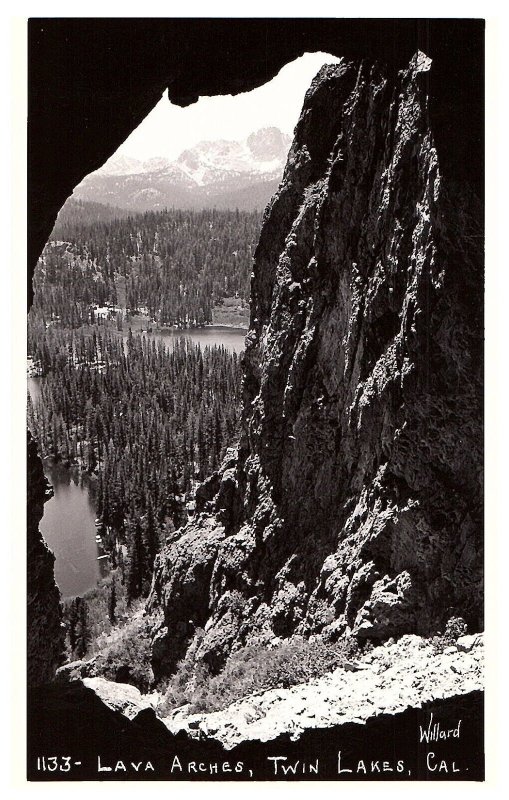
(121, 165)
(264, 150)
(268, 143)
(222, 173)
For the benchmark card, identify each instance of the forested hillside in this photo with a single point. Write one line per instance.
(147, 420)
(173, 266)
(82, 212)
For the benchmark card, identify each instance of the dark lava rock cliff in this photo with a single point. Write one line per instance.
(45, 634)
(353, 502)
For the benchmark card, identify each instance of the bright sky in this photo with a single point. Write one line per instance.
(169, 129)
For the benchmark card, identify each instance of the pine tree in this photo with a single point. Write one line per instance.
(136, 563)
(72, 618)
(112, 603)
(151, 537)
(82, 630)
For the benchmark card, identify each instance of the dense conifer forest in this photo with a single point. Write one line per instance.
(174, 266)
(147, 421)
(85, 212)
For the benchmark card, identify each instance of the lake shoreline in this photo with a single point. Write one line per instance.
(68, 528)
(170, 332)
(75, 485)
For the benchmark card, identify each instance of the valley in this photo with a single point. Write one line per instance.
(69, 518)
(129, 457)
(292, 518)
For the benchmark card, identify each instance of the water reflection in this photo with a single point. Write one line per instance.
(68, 525)
(232, 339)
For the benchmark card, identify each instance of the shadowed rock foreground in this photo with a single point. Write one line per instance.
(353, 503)
(387, 747)
(45, 634)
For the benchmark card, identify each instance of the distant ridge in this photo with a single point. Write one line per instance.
(81, 212)
(221, 174)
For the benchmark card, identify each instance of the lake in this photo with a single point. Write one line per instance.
(68, 524)
(230, 338)
(34, 388)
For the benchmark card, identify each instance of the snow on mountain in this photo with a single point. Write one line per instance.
(155, 164)
(263, 152)
(121, 165)
(221, 173)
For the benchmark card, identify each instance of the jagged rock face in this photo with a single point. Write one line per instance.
(45, 634)
(354, 502)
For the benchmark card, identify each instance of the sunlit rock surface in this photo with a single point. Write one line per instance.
(389, 680)
(354, 501)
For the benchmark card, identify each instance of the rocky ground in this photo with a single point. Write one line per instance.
(388, 680)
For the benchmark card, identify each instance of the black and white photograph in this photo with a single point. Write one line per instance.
(255, 399)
